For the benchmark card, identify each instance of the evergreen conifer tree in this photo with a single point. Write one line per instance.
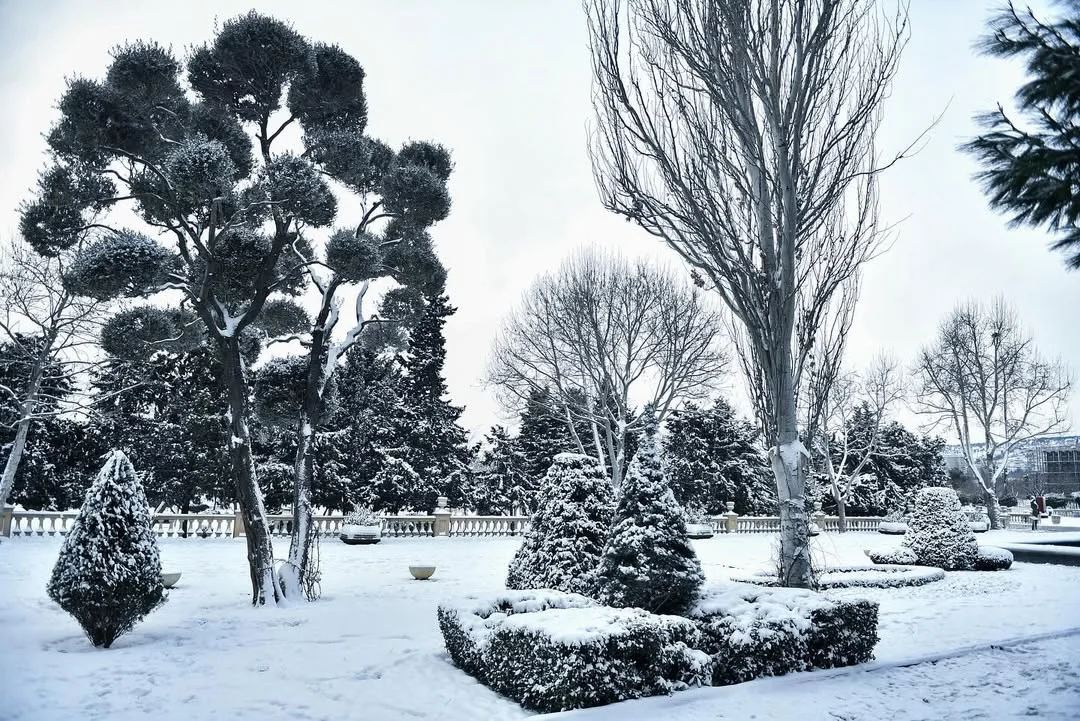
(713, 457)
(108, 575)
(561, 549)
(648, 561)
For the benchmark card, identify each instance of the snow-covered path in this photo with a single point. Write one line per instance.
(370, 649)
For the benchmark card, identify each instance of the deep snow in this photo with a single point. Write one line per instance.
(370, 649)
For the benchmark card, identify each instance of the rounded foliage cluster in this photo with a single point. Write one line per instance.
(125, 263)
(938, 532)
(297, 189)
(199, 170)
(280, 390)
(136, 333)
(415, 193)
(56, 219)
(329, 93)
(354, 256)
(282, 316)
(108, 575)
(562, 547)
(248, 64)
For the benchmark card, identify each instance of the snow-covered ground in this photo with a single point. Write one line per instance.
(370, 649)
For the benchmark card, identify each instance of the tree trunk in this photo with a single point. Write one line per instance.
(787, 463)
(264, 584)
(993, 511)
(26, 416)
(841, 513)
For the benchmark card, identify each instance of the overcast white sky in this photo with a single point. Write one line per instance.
(506, 86)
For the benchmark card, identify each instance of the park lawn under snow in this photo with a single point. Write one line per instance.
(371, 649)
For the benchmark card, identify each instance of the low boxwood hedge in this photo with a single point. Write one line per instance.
(552, 654)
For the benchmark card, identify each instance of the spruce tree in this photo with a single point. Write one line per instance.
(713, 457)
(561, 549)
(542, 435)
(648, 561)
(108, 575)
(432, 440)
(502, 486)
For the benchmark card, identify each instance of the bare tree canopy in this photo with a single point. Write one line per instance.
(984, 379)
(608, 335)
(47, 326)
(845, 451)
(741, 132)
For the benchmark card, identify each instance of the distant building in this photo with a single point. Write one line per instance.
(1050, 464)
(1058, 468)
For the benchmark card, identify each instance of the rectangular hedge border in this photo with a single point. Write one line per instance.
(553, 651)
(753, 631)
(555, 654)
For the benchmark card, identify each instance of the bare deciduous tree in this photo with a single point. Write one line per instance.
(985, 380)
(605, 334)
(844, 449)
(46, 325)
(741, 132)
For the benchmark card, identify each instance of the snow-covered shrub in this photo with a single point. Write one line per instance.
(553, 652)
(883, 576)
(752, 632)
(648, 562)
(894, 522)
(938, 532)
(992, 558)
(561, 550)
(108, 575)
(901, 555)
(362, 516)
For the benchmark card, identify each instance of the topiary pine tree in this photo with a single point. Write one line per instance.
(196, 153)
(938, 532)
(562, 547)
(108, 575)
(648, 561)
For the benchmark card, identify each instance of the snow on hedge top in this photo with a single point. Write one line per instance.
(480, 615)
(585, 625)
(749, 605)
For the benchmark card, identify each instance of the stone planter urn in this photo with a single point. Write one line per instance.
(1055, 519)
(168, 580)
(421, 573)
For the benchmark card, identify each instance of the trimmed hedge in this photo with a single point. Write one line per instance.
(992, 558)
(554, 651)
(553, 654)
(880, 576)
(750, 631)
(901, 555)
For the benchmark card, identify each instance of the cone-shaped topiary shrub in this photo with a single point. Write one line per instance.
(108, 575)
(938, 531)
(648, 562)
(562, 547)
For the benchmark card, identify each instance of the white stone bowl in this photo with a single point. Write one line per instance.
(169, 579)
(421, 573)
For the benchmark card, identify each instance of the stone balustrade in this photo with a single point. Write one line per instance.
(441, 522)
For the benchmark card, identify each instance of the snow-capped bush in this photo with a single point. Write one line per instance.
(648, 562)
(938, 532)
(880, 576)
(992, 558)
(362, 516)
(561, 550)
(900, 555)
(552, 654)
(751, 631)
(108, 575)
(894, 522)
